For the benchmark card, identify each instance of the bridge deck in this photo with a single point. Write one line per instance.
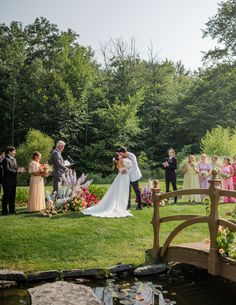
(197, 254)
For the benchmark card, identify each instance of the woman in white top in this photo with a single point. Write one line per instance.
(114, 202)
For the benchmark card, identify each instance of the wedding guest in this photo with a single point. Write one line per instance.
(36, 190)
(234, 168)
(227, 175)
(191, 179)
(204, 168)
(58, 166)
(2, 156)
(214, 162)
(10, 171)
(170, 166)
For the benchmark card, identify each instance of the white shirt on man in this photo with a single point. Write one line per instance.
(134, 171)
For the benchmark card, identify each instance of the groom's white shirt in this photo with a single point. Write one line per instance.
(134, 171)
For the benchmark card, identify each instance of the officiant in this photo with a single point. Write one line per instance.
(170, 166)
(59, 166)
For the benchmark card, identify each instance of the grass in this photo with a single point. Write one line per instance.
(31, 242)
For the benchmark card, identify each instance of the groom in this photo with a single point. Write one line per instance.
(135, 175)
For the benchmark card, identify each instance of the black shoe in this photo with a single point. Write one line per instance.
(4, 213)
(139, 208)
(12, 212)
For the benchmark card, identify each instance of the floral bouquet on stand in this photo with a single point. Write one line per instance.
(147, 193)
(74, 195)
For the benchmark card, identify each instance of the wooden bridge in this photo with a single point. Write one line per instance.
(199, 254)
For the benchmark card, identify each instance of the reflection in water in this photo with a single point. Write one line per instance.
(13, 296)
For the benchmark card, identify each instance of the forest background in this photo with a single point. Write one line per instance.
(51, 83)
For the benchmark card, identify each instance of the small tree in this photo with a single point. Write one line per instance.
(220, 141)
(35, 141)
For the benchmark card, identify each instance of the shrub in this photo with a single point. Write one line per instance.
(22, 196)
(98, 190)
(99, 179)
(219, 141)
(35, 140)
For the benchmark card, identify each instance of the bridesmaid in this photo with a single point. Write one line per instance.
(36, 191)
(234, 168)
(204, 172)
(227, 182)
(191, 179)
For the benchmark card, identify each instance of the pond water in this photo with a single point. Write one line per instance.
(182, 287)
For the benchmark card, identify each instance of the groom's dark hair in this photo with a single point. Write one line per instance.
(123, 149)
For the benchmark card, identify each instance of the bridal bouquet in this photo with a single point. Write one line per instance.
(225, 176)
(204, 174)
(45, 169)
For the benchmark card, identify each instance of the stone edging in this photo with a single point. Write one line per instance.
(98, 273)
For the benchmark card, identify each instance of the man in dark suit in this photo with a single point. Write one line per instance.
(170, 166)
(58, 166)
(10, 171)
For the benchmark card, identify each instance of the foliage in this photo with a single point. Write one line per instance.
(219, 141)
(51, 83)
(98, 190)
(22, 197)
(221, 27)
(35, 141)
(226, 242)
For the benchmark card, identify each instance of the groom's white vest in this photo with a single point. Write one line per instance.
(134, 171)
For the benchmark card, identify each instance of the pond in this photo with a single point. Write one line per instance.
(183, 286)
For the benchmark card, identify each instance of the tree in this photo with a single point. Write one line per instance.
(222, 28)
(219, 141)
(35, 141)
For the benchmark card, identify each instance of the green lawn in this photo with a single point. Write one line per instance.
(31, 242)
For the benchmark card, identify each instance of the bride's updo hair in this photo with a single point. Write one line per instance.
(115, 160)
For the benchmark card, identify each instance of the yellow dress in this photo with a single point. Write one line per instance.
(191, 181)
(36, 190)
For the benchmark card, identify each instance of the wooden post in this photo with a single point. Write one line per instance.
(156, 221)
(213, 259)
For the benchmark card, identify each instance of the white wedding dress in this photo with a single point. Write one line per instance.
(114, 202)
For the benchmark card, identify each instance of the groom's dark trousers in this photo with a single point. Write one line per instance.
(9, 185)
(136, 189)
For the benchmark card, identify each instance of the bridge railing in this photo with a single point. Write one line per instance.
(213, 220)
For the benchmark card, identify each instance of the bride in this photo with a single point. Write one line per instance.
(114, 202)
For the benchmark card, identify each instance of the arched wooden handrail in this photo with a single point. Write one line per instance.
(227, 193)
(178, 217)
(160, 197)
(181, 227)
(227, 224)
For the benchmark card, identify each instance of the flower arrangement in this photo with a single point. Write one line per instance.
(147, 193)
(74, 195)
(226, 242)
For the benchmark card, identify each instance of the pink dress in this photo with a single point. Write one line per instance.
(234, 176)
(227, 184)
(204, 169)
